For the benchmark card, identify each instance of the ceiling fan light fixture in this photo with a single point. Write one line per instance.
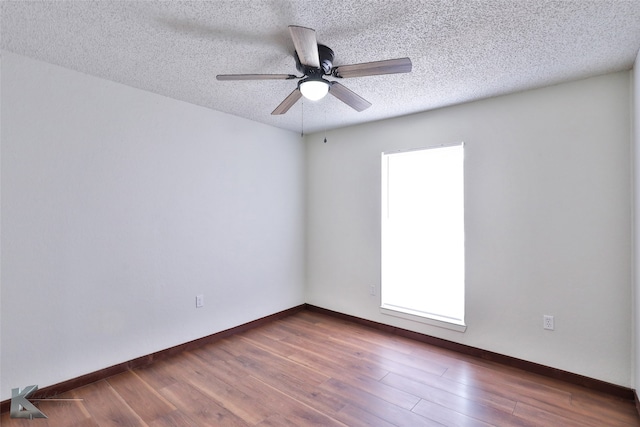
(314, 89)
(314, 61)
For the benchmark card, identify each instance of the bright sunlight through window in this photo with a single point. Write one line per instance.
(423, 234)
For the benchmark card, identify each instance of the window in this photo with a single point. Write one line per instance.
(422, 275)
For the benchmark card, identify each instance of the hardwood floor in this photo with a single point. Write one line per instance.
(310, 369)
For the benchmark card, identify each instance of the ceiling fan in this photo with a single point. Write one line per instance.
(315, 61)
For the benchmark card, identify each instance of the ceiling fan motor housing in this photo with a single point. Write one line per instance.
(325, 54)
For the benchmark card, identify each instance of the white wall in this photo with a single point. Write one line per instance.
(636, 191)
(548, 222)
(119, 207)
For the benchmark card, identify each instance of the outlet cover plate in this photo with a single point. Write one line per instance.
(548, 322)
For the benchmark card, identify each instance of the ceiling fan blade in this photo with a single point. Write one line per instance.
(287, 103)
(349, 97)
(389, 66)
(255, 77)
(304, 40)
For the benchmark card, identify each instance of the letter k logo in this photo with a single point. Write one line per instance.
(21, 407)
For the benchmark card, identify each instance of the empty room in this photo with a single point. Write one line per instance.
(292, 213)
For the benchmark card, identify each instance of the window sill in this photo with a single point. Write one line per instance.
(433, 320)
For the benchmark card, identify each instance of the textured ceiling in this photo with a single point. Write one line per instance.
(461, 50)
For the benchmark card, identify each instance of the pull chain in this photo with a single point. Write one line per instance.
(325, 126)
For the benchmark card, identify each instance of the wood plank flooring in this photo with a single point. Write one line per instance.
(310, 369)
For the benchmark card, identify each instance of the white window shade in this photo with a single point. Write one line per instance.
(423, 233)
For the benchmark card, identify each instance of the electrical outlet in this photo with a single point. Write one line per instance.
(548, 322)
(372, 290)
(199, 301)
